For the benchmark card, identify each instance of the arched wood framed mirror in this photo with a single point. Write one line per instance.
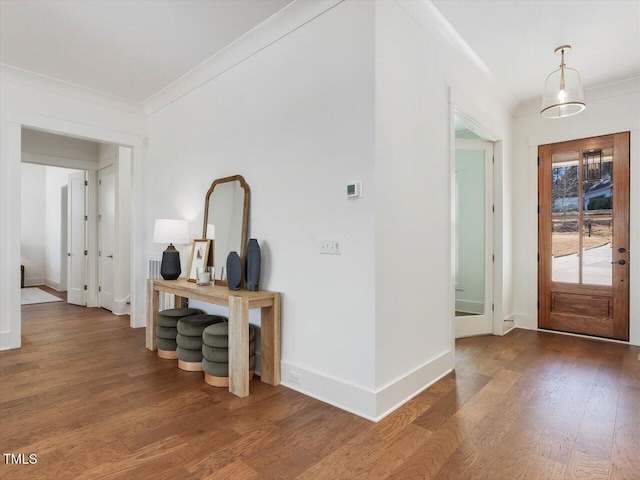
(226, 212)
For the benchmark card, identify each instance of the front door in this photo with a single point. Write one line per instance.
(583, 243)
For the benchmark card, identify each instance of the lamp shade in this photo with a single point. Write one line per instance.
(171, 231)
(563, 93)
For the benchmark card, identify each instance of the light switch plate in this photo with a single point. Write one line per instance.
(330, 247)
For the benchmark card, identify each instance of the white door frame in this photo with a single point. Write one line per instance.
(486, 127)
(10, 310)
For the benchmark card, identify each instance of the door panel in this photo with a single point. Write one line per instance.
(106, 226)
(583, 270)
(474, 239)
(76, 239)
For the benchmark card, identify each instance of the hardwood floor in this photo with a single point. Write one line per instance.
(86, 396)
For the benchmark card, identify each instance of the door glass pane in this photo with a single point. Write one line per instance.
(565, 218)
(597, 230)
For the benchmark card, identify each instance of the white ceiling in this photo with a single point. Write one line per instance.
(135, 48)
(131, 49)
(517, 39)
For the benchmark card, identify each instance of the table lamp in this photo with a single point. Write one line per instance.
(171, 231)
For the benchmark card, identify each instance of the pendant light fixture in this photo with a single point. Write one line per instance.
(563, 94)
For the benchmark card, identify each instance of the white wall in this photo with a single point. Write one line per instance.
(297, 121)
(37, 102)
(41, 220)
(610, 109)
(32, 224)
(417, 62)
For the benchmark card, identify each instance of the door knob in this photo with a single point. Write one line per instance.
(620, 262)
(68, 254)
(109, 256)
(622, 250)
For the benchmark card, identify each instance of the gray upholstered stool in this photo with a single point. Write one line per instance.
(166, 330)
(189, 340)
(215, 353)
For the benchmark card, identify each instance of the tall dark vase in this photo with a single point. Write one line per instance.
(254, 258)
(234, 271)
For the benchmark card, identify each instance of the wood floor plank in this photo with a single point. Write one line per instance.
(86, 396)
(450, 403)
(583, 466)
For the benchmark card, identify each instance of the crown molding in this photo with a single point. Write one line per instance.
(12, 74)
(623, 87)
(273, 29)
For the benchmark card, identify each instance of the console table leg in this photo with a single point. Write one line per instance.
(153, 304)
(270, 343)
(238, 346)
(180, 302)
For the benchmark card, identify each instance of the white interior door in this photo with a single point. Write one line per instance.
(106, 236)
(474, 239)
(76, 239)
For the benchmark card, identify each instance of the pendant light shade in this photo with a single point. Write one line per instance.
(563, 94)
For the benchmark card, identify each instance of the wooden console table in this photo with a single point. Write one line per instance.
(239, 302)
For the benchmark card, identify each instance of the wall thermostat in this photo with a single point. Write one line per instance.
(354, 190)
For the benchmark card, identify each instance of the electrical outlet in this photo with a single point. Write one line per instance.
(295, 377)
(330, 247)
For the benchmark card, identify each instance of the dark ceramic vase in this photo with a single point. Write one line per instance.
(234, 271)
(252, 281)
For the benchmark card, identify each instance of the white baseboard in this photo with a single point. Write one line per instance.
(469, 307)
(396, 394)
(9, 341)
(344, 395)
(522, 320)
(34, 281)
(364, 402)
(53, 284)
(121, 307)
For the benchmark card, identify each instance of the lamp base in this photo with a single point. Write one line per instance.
(170, 266)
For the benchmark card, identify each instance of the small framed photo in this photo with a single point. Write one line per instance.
(199, 257)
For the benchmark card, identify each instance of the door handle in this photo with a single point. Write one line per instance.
(620, 262)
(109, 256)
(68, 254)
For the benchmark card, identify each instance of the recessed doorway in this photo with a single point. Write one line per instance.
(473, 204)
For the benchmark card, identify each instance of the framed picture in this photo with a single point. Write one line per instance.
(199, 257)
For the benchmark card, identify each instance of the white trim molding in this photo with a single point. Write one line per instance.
(273, 29)
(68, 89)
(371, 404)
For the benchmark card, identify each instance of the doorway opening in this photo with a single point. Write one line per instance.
(583, 241)
(473, 206)
(70, 188)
